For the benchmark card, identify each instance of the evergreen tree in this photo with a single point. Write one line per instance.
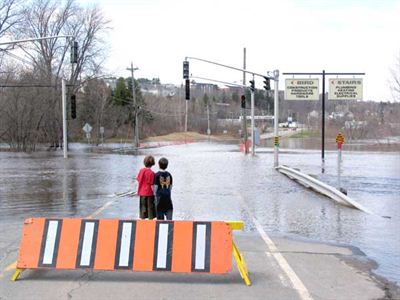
(122, 96)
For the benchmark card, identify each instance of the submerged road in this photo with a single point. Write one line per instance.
(297, 244)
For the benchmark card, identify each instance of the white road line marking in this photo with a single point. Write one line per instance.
(101, 209)
(290, 273)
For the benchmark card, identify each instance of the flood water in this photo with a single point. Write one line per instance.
(216, 182)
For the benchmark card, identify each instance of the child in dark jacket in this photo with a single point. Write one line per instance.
(162, 191)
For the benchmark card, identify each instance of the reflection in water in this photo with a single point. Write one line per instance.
(70, 187)
(339, 222)
(211, 182)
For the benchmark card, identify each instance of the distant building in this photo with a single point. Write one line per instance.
(111, 82)
(355, 124)
(157, 89)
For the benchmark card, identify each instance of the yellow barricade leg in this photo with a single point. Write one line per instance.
(16, 274)
(235, 225)
(241, 264)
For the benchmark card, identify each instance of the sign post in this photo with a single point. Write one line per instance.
(323, 100)
(88, 129)
(276, 118)
(102, 134)
(339, 143)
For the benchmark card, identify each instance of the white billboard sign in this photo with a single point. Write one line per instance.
(345, 89)
(302, 89)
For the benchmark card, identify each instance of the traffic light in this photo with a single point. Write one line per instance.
(185, 69)
(187, 89)
(73, 107)
(252, 85)
(243, 101)
(267, 85)
(74, 52)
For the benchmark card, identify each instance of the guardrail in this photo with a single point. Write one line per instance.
(321, 187)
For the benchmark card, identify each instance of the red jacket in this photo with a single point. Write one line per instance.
(146, 181)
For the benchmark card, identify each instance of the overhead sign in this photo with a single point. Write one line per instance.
(346, 89)
(302, 89)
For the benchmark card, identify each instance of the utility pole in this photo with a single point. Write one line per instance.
(246, 150)
(135, 107)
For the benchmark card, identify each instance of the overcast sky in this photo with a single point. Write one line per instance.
(289, 35)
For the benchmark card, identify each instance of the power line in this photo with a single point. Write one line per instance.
(26, 85)
(149, 110)
(163, 113)
(15, 56)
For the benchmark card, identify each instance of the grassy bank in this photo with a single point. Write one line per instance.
(304, 134)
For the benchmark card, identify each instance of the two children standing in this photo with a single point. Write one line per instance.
(154, 190)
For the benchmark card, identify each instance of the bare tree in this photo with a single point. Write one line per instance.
(93, 104)
(10, 15)
(46, 18)
(20, 111)
(88, 27)
(395, 82)
(50, 59)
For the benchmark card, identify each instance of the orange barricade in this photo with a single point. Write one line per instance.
(135, 245)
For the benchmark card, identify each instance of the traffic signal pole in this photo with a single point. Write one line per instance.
(245, 137)
(64, 114)
(252, 88)
(187, 90)
(253, 147)
(276, 118)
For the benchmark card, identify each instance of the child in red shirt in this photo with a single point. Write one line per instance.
(145, 180)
